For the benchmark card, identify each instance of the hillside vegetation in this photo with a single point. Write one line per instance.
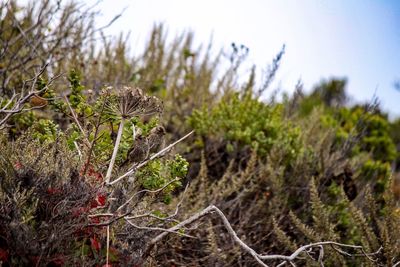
(175, 157)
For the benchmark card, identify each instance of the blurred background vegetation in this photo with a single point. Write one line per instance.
(305, 168)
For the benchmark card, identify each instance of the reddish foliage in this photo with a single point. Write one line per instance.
(76, 212)
(91, 172)
(18, 165)
(95, 220)
(53, 191)
(3, 255)
(95, 244)
(101, 198)
(35, 260)
(99, 201)
(58, 260)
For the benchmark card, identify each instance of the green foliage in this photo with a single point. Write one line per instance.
(157, 174)
(76, 98)
(379, 172)
(373, 126)
(44, 130)
(21, 122)
(376, 138)
(247, 121)
(178, 167)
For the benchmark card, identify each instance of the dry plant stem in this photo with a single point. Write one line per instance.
(77, 149)
(108, 244)
(19, 105)
(71, 28)
(158, 154)
(76, 120)
(147, 191)
(96, 132)
(4, 109)
(150, 215)
(114, 155)
(124, 216)
(258, 257)
(133, 131)
(169, 218)
(157, 229)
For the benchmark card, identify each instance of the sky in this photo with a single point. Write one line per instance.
(356, 39)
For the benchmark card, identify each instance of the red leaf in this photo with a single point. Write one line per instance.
(95, 220)
(76, 212)
(98, 176)
(101, 199)
(58, 260)
(53, 191)
(95, 244)
(3, 255)
(89, 170)
(94, 204)
(18, 165)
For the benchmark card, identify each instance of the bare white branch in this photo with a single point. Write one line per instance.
(143, 163)
(147, 191)
(260, 257)
(158, 229)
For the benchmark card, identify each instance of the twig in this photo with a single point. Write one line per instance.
(108, 244)
(76, 120)
(147, 191)
(77, 148)
(258, 257)
(101, 215)
(158, 154)
(96, 132)
(157, 229)
(112, 220)
(115, 151)
(19, 105)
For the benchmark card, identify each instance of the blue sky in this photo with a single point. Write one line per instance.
(357, 39)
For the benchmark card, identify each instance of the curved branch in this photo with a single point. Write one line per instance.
(259, 257)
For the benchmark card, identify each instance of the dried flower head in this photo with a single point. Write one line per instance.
(129, 102)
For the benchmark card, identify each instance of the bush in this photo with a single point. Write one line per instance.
(83, 180)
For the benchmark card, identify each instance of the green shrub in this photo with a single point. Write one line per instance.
(246, 121)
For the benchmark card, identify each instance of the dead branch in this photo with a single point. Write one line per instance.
(147, 191)
(260, 258)
(23, 98)
(143, 163)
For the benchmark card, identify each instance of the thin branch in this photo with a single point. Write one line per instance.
(258, 257)
(147, 191)
(19, 105)
(158, 229)
(101, 215)
(115, 151)
(112, 220)
(75, 117)
(95, 138)
(158, 154)
(108, 244)
(77, 148)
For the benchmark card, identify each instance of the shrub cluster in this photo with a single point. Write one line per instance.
(84, 179)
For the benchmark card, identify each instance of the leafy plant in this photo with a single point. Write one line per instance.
(244, 120)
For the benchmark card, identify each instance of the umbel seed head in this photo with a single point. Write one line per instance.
(128, 102)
